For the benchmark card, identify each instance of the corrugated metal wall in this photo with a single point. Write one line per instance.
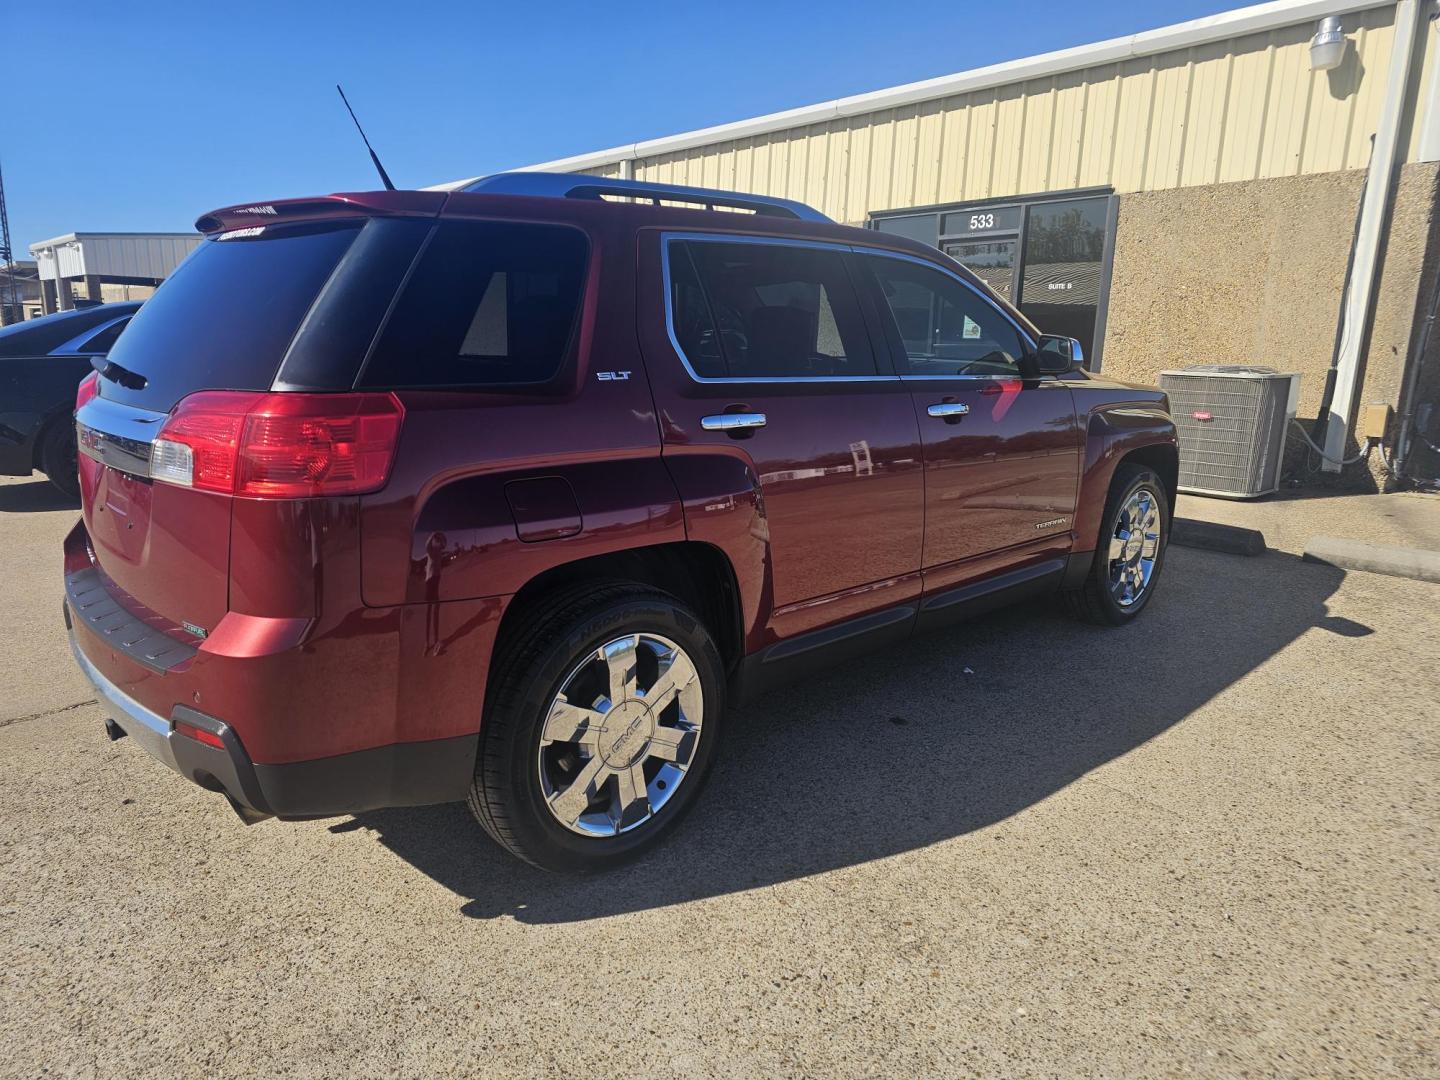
(1247, 108)
(137, 256)
(142, 256)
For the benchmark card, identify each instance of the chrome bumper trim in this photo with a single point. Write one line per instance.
(149, 729)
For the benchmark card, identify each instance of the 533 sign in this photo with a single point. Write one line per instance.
(990, 219)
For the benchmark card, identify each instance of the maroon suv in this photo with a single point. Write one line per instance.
(502, 494)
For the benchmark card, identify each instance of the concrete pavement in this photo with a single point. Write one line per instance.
(1289, 519)
(1203, 846)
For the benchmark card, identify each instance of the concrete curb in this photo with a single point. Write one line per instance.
(1231, 539)
(1415, 563)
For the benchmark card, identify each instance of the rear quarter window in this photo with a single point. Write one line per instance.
(489, 304)
(105, 340)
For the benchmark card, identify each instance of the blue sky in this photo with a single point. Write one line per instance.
(141, 116)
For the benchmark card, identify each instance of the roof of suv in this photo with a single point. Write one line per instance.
(579, 186)
(660, 204)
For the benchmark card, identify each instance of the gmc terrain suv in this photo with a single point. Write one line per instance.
(502, 494)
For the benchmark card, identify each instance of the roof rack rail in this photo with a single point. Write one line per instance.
(580, 186)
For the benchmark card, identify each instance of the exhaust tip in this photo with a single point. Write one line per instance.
(113, 730)
(245, 813)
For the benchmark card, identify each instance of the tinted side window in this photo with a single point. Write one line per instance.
(946, 328)
(490, 303)
(776, 311)
(691, 318)
(102, 341)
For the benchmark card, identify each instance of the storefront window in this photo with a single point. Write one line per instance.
(922, 227)
(1061, 275)
(1045, 256)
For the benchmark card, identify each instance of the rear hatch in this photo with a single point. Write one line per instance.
(284, 296)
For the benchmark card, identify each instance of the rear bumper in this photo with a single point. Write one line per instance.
(402, 774)
(342, 683)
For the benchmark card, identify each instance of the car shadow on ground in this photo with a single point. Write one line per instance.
(929, 741)
(39, 494)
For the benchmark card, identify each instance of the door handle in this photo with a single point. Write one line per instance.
(946, 409)
(733, 421)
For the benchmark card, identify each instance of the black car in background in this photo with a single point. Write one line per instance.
(41, 364)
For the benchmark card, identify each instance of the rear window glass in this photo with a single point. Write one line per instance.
(489, 304)
(224, 319)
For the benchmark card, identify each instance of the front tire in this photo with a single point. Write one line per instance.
(1134, 532)
(603, 722)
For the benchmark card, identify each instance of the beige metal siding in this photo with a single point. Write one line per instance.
(610, 172)
(1242, 109)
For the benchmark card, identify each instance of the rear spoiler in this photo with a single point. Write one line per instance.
(323, 208)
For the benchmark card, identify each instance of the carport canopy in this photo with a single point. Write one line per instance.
(96, 259)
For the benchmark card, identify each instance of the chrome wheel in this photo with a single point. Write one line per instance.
(620, 735)
(1135, 546)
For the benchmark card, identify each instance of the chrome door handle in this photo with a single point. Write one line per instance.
(948, 408)
(732, 421)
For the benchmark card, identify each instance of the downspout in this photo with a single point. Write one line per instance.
(1374, 213)
(1322, 415)
(1429, 151)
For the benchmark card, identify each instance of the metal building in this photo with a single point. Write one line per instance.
(108, 266)
(1184, 194)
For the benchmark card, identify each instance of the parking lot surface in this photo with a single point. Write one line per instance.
(1204, 845)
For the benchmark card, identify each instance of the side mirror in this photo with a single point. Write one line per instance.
(1057, 355)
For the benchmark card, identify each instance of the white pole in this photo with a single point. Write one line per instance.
(1374, 210)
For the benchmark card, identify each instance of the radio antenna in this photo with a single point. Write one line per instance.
(384, 176)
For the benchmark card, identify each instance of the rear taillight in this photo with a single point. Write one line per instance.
(88, 390)
(279, 446)
(199, 444)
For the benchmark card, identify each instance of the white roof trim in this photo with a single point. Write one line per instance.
(1228, 24)
(81, 237)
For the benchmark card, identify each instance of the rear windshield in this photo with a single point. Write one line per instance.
(224, 319)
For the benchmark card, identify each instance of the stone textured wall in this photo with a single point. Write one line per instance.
(1251, 273)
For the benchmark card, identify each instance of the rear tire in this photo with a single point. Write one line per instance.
(1129, 552)
(59, 459)
(578, 770)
